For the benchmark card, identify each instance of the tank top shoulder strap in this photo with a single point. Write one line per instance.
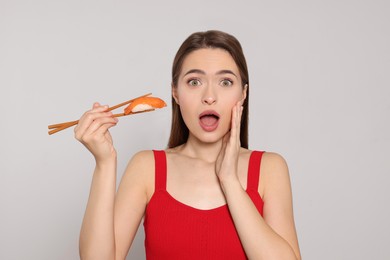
(160, 162)
(254, 170)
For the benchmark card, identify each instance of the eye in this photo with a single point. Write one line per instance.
(226, 83)
(194, 82)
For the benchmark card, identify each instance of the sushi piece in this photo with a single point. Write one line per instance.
(144, 103)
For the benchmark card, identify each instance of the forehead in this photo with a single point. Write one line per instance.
(210, 60)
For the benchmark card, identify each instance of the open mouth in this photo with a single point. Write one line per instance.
(209, 120)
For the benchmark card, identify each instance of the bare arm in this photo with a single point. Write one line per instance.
(271, 237)
(131, 200)
(97, 231)
(111, 219)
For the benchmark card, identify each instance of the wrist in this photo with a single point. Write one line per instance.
(106, 163)
(230, 184)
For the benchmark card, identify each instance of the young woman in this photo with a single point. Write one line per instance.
(205, 197)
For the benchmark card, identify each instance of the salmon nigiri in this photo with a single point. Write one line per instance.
(144, 103)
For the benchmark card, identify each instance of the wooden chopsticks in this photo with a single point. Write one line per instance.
(61, 126)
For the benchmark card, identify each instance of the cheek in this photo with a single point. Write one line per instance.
(183, 96)
(230, 101)
(186, 106)
(233, 99)
(185, 102)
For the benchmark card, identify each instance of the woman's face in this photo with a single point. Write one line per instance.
(208, 87)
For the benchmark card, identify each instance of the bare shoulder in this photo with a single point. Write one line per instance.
(142, 163)
(245, 153)
(142, 158)
(274, 162)
(274, 174)
(244, 156)
(140, 172)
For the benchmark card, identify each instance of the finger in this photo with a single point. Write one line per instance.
(236, 124)
(239, 117)
(96, 108)
(88, 119)
(98, 123)
(103, 129)
(242, 102)
(241, 109)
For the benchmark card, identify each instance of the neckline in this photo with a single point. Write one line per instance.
(182, 204)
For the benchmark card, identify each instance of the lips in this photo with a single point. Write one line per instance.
(209, 120)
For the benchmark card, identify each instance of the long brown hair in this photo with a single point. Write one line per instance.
(196, 41)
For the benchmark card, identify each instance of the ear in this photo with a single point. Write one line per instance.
(174, 94)
(244, 91)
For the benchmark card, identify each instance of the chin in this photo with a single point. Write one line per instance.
(210, 137)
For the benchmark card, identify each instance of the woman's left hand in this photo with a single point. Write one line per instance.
(226, 164)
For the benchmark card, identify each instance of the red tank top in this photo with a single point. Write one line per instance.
(174, 230)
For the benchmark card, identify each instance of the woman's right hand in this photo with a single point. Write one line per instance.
(92, 132)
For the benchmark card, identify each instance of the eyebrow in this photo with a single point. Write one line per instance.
(204, 73)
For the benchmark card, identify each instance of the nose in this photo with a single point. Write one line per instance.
(209, 100)
(209, 97)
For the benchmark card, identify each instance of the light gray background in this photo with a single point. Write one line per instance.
(319, 86)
